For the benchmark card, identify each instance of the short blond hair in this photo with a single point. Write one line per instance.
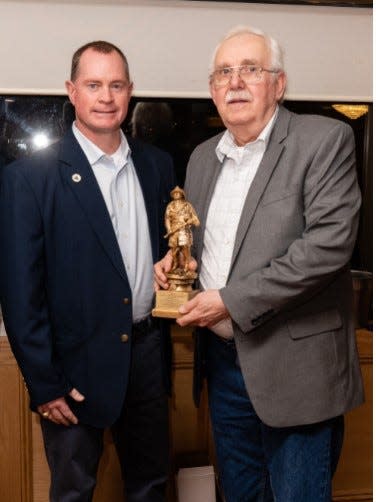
(98, 46)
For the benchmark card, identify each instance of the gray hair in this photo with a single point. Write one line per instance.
(276, 53)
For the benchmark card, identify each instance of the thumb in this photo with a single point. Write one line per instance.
(77, 396)
(188, 306)
(192, 265)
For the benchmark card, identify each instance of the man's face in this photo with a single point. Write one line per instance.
(100, 93)
(240, 104)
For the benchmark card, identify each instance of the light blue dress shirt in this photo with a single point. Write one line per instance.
(121, 190)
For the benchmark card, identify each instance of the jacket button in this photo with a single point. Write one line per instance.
(124, 338)
(126, 301)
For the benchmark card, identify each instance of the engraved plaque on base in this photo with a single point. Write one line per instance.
(179, 217)
(168, 302)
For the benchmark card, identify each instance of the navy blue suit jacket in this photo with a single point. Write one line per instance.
(63, 284)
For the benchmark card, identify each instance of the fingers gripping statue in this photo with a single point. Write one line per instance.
(179, 217)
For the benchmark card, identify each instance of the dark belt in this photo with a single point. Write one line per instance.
(144, 326)
(227, 341)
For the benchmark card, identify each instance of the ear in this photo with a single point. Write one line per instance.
(71, 90)
(281, 85)
(130, 91)
(212, 93)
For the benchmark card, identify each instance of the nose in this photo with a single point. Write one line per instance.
(106, 94)
(236, 81)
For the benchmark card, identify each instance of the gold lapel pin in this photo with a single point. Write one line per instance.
(76, 178)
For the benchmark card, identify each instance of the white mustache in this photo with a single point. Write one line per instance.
(242, 94)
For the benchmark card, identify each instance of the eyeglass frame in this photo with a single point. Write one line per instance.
(258, 69)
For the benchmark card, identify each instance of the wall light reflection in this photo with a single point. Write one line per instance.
(40, 140)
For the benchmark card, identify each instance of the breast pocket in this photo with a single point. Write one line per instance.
(280, 218)
(280, 195)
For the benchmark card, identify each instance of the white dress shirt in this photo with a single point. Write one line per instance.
(121, 190)
(239, 167)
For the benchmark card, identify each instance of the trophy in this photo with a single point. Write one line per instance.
(179, 217)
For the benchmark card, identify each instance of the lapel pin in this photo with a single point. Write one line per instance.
(76, 178)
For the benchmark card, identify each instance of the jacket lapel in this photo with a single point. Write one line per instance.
(207, 184)
(147, 179)
(263, 175)
(79, 176)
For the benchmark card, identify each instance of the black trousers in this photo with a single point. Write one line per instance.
(140, 435)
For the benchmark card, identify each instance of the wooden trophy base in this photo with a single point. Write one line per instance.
(167, 303)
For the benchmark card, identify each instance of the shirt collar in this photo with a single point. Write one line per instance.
(94, 153)
(228, 148)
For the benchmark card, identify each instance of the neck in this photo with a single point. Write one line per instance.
(107, 141)
(248, 132)
(243, 136)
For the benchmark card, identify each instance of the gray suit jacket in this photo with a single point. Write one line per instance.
(289, 289)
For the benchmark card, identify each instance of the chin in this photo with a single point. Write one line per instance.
(238, 120)
(109, 127)
(239, 114)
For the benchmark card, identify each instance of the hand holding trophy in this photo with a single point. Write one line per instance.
(179, 218)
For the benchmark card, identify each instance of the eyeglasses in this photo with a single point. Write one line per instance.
(248, 73)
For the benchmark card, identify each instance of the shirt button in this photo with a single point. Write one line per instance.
(126, 301)
(124, 338)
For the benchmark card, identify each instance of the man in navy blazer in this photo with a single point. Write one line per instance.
(81, 225)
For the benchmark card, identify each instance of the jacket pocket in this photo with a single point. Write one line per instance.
(314, 324)
(276, 196)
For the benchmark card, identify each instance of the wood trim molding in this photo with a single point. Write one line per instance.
(353, 496)
(6, 356)
(27, 443)
(182, 346)
(364, 342)
(23, 443)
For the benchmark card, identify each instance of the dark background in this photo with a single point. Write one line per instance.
(177, 126)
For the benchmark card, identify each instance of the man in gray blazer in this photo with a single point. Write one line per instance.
(278, 199)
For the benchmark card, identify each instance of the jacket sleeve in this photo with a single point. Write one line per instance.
(331, 206)
(23, 293)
